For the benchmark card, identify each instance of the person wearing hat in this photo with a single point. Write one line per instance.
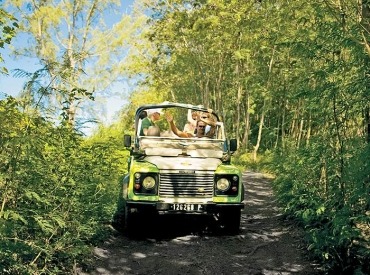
(209, 120)
(149, 122)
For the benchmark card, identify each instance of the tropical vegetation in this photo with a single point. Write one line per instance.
(291, 80)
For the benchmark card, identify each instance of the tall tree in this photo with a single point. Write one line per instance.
(365, 23)
(287, 76)
(69, 38)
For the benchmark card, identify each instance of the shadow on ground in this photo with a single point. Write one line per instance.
(266, 243)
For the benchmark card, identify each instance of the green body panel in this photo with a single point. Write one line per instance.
(228, 169)
(142, 167)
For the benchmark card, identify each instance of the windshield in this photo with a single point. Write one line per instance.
(177, 129)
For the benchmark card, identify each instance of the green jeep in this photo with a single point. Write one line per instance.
(168, 174)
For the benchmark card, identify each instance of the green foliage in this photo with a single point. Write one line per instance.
(70, 41)
(57, 193)
(261, 163)
(290, 80)
(310, 187)
(8, 27)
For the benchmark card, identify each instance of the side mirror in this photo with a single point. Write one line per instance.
(233, 145)
(127, 140)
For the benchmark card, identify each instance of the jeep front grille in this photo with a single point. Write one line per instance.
(186, 185)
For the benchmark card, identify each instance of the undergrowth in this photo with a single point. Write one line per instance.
(329, 201)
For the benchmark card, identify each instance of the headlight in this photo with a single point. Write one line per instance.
(148, 182)
(223, 184)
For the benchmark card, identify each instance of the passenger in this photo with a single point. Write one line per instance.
(209, 120)
(143, 114)
(200, 128)
(192, 121)
(153, 131)
(153, 116)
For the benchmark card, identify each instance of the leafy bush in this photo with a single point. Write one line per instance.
(57, 193)
(328, 196)
(262, 163)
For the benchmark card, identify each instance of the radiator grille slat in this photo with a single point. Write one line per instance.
(186, 185)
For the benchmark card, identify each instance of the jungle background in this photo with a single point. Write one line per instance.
(289, 78)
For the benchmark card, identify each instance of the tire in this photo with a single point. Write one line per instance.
(125, 222)
(118, 222)
(121, 217)
(128, 223)
(229, 221)
(138, 222)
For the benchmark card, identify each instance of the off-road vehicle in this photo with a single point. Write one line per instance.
(168, 174)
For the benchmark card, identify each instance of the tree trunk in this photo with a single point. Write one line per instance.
(293, 126)
(247, 123)
(283, 127)
(309, 129)
(218, 93)
(365, 22)
(367, 122)
(300, 132)
(206, 91)
(256, 147)
(238, 114)
(277, 133)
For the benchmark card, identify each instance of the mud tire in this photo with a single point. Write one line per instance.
(229, 221)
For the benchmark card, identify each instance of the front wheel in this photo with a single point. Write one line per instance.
(229, 221)
(120, 220)
(124, 221)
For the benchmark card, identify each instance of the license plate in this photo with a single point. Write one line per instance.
(186, 207)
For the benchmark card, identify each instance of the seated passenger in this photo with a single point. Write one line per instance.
(143, 114)
(153, 131)
(209, 120)
(153, 116)
(200, 128)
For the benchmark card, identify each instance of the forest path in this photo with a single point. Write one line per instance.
(266, 243)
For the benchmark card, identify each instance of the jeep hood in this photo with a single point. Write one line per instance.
(184, 163)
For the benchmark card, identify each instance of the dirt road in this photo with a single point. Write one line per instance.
(266, 244)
